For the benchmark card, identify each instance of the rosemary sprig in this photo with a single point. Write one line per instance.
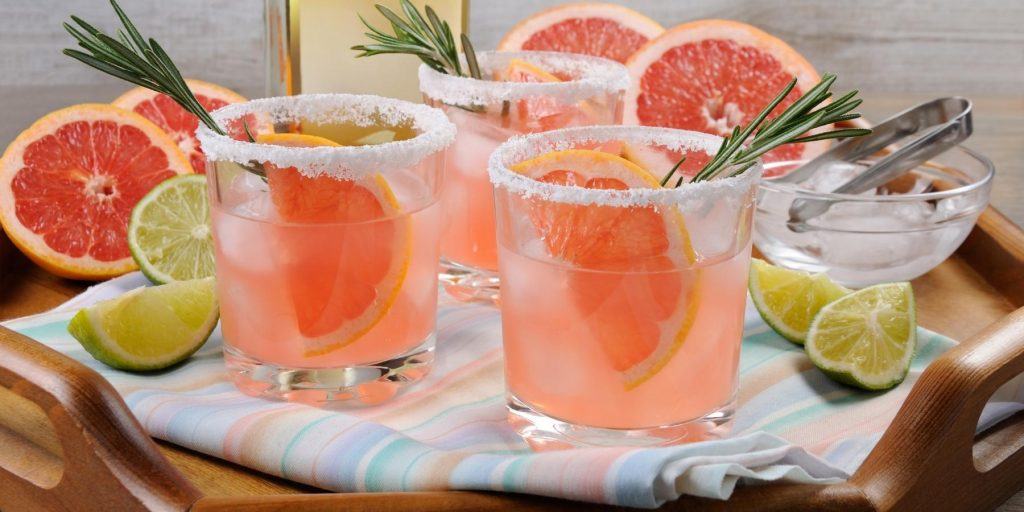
(132, 58)
(423, 35)
(427, 37)
(733, 157)
(143, 62)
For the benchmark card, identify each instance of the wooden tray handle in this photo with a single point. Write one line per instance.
(109, 462)
(929, 458)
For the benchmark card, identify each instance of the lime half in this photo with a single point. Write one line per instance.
(169, 231)
(149, 328)
(866, 339)
(788, 300)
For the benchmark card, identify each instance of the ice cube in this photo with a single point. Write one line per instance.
(259, 207)
(244, 185)
(477, 139)
(951, 207)
(909, 183)
(535, 249)
(244, 243)
(832, 176)
(410, 190)
(713, 232)
(896, 236)
(875, 216)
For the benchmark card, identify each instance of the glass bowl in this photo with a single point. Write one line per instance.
(894, 233)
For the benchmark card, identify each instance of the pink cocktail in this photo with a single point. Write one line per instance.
(622, 300)
(327, 250)
(523, 92)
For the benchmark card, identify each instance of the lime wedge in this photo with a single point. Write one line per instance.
(378, 137)
(788, 300)
(149, 328)
(169, 231)
(866, 339)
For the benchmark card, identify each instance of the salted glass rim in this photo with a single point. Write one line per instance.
(985, 180)
(433, 130)
(595, 76)
(523, 147)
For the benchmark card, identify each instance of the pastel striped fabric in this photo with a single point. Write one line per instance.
(449, 432)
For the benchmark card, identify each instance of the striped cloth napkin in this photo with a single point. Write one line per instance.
(449, 431)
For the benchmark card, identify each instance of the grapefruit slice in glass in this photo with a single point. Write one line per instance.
(713, 75)
(180, 124)
(68, 184)
(546, 112)
(345, 248)
(639, 305)
(603, 30)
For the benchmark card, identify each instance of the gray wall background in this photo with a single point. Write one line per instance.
(897, 52)
(927, 47)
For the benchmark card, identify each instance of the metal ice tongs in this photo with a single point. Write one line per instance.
(945, 123)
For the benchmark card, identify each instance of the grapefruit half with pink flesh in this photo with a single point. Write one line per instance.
(68, 184)
(713, 75)
(180, 124)
(599, 29)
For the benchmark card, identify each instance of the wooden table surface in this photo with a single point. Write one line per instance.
(999, 133)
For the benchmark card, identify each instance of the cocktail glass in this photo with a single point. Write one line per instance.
(327, 254)
(622, 301)
(523, 92)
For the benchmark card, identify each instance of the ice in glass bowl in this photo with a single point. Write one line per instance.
(893, 233)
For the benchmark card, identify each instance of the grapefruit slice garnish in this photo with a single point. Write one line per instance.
(68, 184)
(345, 249)
(640, 307)
(713, 75)
(180, 124)
(659, 161)
(599, 29)
(546, 112)
(519, 70)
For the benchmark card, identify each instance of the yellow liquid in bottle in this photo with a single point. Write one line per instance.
(314, 40)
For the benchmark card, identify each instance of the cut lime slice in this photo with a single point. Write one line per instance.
(788, 300)
(378, 137)
(169, 232)
(866, 339)
(149, 328)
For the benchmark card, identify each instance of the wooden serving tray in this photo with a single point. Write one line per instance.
(928, 459)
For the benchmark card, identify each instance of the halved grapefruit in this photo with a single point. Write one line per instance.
(180, 124)
(636, 251)
(603, 30)
(68, 184)
(713, 75)
(345, 248)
